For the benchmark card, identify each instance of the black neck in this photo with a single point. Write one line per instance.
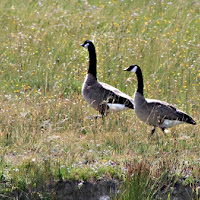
(140, 81)
(92, 61)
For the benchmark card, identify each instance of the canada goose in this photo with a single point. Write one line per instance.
(101, 96)
(154, 112)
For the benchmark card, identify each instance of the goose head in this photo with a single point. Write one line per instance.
(132, 68)
(87, 43)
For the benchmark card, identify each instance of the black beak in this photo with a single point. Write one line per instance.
(82, 45)
(126, 69)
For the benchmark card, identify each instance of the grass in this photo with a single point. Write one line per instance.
(44, 133)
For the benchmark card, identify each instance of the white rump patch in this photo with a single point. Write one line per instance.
(116, 107)
(166, 131)
(169, 123)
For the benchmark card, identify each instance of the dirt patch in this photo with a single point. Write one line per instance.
(98, 190)
(180, 192)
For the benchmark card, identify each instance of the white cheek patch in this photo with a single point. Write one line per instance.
(134, 69)
(116, 107)
(86, 45)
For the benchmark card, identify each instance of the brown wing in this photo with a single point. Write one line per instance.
(165, 110)
(113, 95)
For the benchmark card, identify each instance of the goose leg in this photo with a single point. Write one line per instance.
(102, 112)
(163, 129)
(103, 108)
(153, 130)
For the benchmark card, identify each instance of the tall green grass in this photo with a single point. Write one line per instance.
(42, 68)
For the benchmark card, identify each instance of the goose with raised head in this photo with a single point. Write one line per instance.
(154, 112)
(101, 96)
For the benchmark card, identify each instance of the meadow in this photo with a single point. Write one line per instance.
(45, 135)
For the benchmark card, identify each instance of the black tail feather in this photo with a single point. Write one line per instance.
(185, 118)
